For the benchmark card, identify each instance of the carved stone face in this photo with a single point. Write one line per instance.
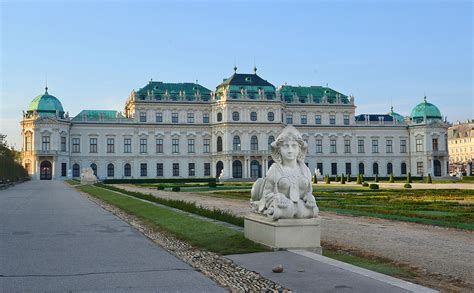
(289, 150)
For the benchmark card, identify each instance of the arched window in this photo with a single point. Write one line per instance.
(236, 143)
(76, 170)
(254, 169)
(94, 168)
(127, 170)
(375, 169)
(219, 168)
(219, 117)
(110, 170)
(219, 144)
(389, 168)
(235, 116)
(361, 168)
(254, 143)
(403, 168)
(271, 116)
(253, 116)
(271, 139)
(237, 169)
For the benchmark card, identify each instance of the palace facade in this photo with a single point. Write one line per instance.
(186, 130)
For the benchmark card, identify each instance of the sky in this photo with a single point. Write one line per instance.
(94, 53)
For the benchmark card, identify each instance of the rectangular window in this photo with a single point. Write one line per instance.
(127, 145)
(375, 145)
(435, 144)
(205, 118)
(143, 169)
(191, 145)
(304, 119)
(206, 145)
(143, 145)
(319, 146)
(93, 145)
(289, 118)
(175, 169)
(333, 168)
(159, 117)
(317, 119)
(389, 146)
(207, 169)
(348, 169)
(159, 169)
(403, 146)
(191, 169)
(159, 145)
(332, 119)
(333, 148)
(63, 143)
(419, 144)
(419, 168)
(63, 169)
(190, 117)
(142, 116)
(46, 140)
(110, 145)
(320, 167)
(28, 142)
(347, 146)
(76, 145)
(360, 146)
(175, 145)
(346, 119)
(174, 117)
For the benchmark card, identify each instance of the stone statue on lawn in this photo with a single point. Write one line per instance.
(87, 176)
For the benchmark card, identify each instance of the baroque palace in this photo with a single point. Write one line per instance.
(186, 130)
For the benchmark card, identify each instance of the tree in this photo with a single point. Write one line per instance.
(428, 180)
(343, 179)
(376, 178)
(10, 168)
(392, 179)
(409, 180)
(359, 179)
(315, 179)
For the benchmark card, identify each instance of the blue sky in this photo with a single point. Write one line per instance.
(94, 53)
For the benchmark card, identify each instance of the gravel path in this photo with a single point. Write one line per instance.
(434, 250)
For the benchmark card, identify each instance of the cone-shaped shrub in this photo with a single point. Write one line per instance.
(376, 178)
(359, 179)
(409, 178)
(348, 179)
(428, 180)
(315, 179)
(336, 178)
(327, 180)
(392, 179)
(343, 179)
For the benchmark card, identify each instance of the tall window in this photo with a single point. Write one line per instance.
(332, 119)
(360, 146)
(435, 144)
(206, 145)
(333, 148)
(375, 145)
(143, 169)
(191, 145)
(271, 116)
(207, 169)
(375, 169)
(289, 118)
(347, 146)
(219, 117)
(190, 117)
(361, 168)
(45, 143)
(333, 168)
(219, 144)
(63, 143)
(63, 169)
(175, 169)
(235, 116)
(403, 146)
(94, 168)
(159, 117)
(403, 168)
(304, 119)
(346, 119)
(271, 139)
(159, 145)
(253, 116)
(254, 143)
(76, 170)
(319, 146)
(320, 167)
(127, 145)
(389, 147)
(93, 145)
(419, 168)
(419, 144)
(110, 170)
(76, 145)
(236, 143)
(175, 145)
(317, 119)
(143, 145)
(127, 170)
(142, 116)
(191, 169)
(174, 117)
(389, 168)
(159, 169)
(205, 118)
(348, 168)
(28, 141)
(110, 145)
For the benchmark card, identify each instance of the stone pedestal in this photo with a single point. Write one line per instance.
(284, 233)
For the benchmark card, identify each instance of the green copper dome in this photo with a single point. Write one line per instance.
(425, 109)
(396, 116)
(46, 104)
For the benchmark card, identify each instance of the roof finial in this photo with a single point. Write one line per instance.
(424, 99)
(391, 109)
(235, 69)
(46, 86)
(255, 69)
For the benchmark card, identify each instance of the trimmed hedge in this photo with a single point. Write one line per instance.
(176, 188)
(374, 186)
(407, 185)
(365, 184)
(160, 180)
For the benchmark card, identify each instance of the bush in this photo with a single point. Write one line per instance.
(392, 179)
(359, 179)
(343, 179)
(407, 185)
(336, 178)
(409, 180)
(159, 180)
(212, 184)
(327, 180)
(365, 184)
(315, 179)
(348, 179)
(374, 186)
(176, 188)
(376, 178)
(160, 187)
(428, 180)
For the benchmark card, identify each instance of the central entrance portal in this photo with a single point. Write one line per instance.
(46, 170)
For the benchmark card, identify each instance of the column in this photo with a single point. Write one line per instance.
(264, 168)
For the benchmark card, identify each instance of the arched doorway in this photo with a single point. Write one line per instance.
(361, 168)
(437, 167)
(389, 169)
(94, 168)
(46, 170)
(76, 170)
(375, 169)
(237, 169)
(255, 169)
(219, 168)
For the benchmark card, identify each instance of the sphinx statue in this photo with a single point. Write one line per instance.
(87, 176)
(287, 191)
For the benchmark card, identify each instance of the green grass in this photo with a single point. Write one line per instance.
(380, 266)
(73, 182)
(240, 195)
(197, 232)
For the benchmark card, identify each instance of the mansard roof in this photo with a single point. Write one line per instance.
(187, 91)
(98, 115)
(245, 79)
(289, 93)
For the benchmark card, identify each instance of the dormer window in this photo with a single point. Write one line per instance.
(248, 79)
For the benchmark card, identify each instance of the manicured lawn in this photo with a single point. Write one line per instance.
(73, 182)
(199, 233)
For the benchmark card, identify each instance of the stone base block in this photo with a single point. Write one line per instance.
(284, 233)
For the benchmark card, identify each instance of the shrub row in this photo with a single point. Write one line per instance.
(208, 180)
(217, 214)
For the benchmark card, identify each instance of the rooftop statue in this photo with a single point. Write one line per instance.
(287, 191)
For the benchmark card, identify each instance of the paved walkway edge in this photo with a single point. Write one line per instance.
(367, 273)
